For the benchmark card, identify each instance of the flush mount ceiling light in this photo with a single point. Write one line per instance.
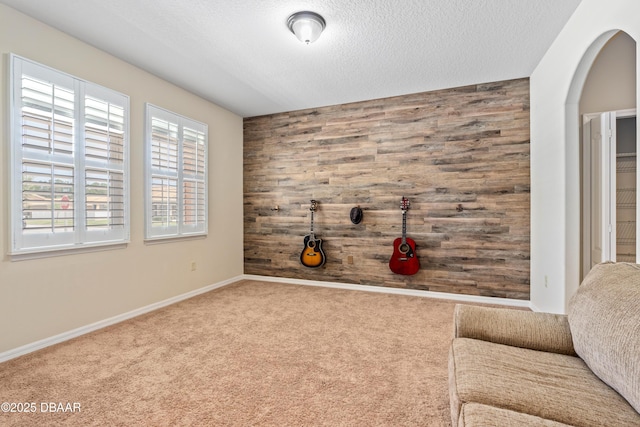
(307, 26)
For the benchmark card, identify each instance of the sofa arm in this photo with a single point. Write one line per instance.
(518, 328)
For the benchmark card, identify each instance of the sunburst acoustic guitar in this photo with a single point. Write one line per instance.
(312, 255)
(404, 259)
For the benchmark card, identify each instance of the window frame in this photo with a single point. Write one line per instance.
(80, 238)
(181, 230)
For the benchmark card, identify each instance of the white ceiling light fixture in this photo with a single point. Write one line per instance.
(307, 26)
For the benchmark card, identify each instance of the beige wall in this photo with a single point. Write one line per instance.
(611, 83)
(45, 297)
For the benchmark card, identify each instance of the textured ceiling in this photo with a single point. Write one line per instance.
(240, 54)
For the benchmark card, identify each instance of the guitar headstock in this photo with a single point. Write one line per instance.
(404, 204)
(313, 206)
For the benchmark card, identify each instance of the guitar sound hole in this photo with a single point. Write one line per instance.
(311, 244)
(404, 248)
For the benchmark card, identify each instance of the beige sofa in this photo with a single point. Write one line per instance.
(512, 367)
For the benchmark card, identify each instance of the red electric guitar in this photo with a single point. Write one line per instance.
(404, 259)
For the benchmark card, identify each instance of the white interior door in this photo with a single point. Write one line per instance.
(603, 187)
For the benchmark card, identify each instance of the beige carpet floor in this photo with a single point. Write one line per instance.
(249, 354)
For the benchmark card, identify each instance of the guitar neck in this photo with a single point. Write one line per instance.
(312, 208)
(404, 227)
(311, 229)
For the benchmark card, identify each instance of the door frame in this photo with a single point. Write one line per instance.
(585, 241)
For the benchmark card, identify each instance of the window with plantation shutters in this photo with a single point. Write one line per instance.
(176, 175)
(69, 161)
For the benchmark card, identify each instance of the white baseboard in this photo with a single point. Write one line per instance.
(46, 342)
(535, 308)
(28, 348)
(398, 291)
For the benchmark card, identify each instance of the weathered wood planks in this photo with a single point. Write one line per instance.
(465, 146)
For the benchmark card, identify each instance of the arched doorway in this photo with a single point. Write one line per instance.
(607, 109)
(573, 150)
(604, 88)
(556, 88)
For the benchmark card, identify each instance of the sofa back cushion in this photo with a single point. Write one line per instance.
(604, 318)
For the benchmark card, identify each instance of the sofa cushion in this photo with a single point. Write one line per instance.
(604, 317)
(475, 414)
(553, 386)
(520, 328)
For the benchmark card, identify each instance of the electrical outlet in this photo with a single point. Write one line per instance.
(193, 266)
(350, 259)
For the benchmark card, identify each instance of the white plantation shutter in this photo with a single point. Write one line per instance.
(47, 197)
(43, 170)
(164, 146)
(104, 178)
(69, 167)
(193, 183)
(176, 175)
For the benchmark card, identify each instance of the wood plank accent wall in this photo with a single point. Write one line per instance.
(464, 148)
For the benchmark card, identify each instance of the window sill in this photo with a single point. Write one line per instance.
(172, 239)
(54, 252)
